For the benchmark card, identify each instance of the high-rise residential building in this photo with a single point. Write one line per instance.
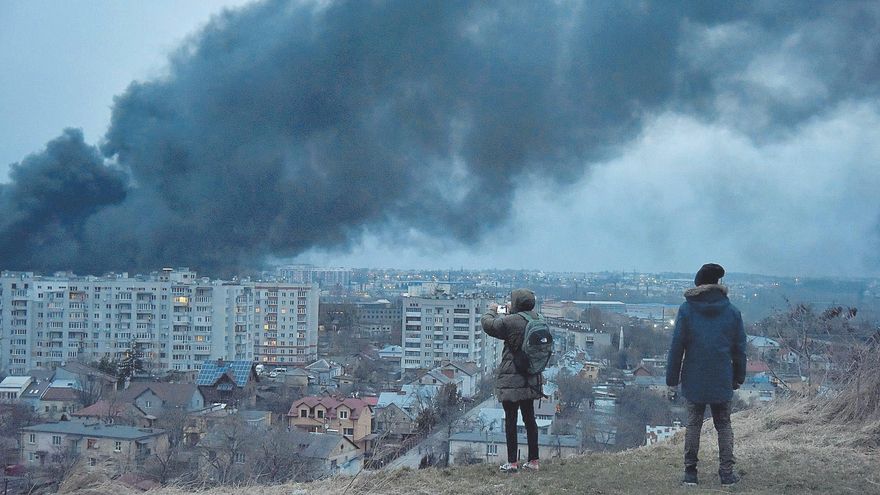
(443, 328)
(310, 274)
(173, 319)
(285, 323)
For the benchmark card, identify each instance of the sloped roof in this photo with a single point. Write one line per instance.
(468, 368)
(95, 430)
(321, 364)
(104, 408)
(331, 404)
(16, 382)
(172, 394)
(757, 367)
(319, 445)
(61, 393)
(211, 371)
(84, 369)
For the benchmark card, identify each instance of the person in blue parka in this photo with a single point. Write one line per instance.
(708, 358)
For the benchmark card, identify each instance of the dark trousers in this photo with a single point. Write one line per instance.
(527, 407)
(721, 419)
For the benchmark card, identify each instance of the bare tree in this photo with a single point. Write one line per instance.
(225, 450)
(91, 388)
(638, 408)
(573, 390)
(13, 417)
(811, 336)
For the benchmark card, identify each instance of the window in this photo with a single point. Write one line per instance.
(303, 413)
(117, 447)
(492, 449)
(32, 438)
(348, 431)
(320, 413)
(93, 461)
(148, 403)
(31, 457)
(343, 414)
(238, 457)
(56, 439)
(92, 443)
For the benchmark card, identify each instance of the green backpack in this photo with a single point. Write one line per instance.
(537, 346)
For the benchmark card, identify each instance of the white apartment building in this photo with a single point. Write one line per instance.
(285, 323)
(437, 329)
(309, 274)
(176, 319)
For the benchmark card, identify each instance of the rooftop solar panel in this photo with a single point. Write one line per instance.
(211, 371)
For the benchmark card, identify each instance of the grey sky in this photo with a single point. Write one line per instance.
(757, 148)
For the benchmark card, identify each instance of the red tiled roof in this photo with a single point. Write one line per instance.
(60, 393)
(757, 367)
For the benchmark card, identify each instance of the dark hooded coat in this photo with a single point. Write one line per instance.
(510, 385)
(708, 351)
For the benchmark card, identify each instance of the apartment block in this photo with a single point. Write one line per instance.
(285, 323)
(175, 319)
(442, 329)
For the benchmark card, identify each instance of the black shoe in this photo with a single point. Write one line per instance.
(690, 477)
(728, 479)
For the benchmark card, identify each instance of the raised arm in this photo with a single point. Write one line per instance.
(493, 324)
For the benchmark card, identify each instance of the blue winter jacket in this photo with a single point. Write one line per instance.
(708, 350)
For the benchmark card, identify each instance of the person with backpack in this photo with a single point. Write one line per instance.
(708, 357)
(527, 348)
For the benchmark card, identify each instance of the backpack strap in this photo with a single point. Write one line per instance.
(529, 318)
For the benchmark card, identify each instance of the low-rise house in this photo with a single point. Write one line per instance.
(657, 434)
(393, 353)
(228, 382)
(59, 400)
(652, 383)
(96, 443)
(349, 417)
(392, 421)
(35, 391)
(232, 451)
(642, 371)
(323, 372)
(328, 454)
(13, 387)
(466, 374)
(113, 412)
(751, 392)
(477, 446)
(591, 370)
(155, 398)
(96, 382)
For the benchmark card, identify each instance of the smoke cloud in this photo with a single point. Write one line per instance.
(286, 126)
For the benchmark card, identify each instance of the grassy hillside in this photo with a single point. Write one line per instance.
(789, 448)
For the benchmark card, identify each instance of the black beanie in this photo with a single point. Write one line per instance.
(709, 273)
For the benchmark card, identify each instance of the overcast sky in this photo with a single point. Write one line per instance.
(773, 169)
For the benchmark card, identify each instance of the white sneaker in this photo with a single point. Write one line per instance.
(531, 465)
(509, 467)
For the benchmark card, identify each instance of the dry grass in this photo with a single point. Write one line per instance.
(826, 446)
(789, 448)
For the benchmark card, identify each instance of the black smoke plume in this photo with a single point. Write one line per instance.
(286, 125)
